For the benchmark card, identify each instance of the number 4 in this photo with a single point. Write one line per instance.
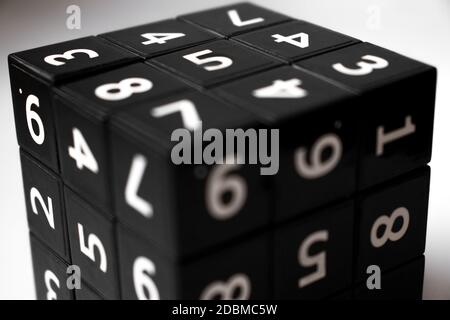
(160, 38)
(82, 153)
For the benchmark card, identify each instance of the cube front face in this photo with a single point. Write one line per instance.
(239, 272)
(124, 196)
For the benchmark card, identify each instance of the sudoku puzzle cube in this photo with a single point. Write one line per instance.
(233, 153)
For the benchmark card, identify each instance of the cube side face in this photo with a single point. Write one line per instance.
(142, 191)
(392, 223)
(45, 205)
(313, 257)
(49, 273)
(398, 131)
(238, 272)
(34, 117)
(144, 274)
(92, 244)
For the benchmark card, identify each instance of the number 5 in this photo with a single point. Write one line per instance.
(222, 62)
(89, 251)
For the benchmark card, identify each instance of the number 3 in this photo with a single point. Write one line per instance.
(364, 67)
(68, 55)
(49, 278)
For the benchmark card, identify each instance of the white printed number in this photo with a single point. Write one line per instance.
(123, 89)
(89, 250)
(49, 279)
(81, 152)
(145, 287)
(215, 62)
(48, 209)
(385, 138)
(302, 43)
(160, 38)
(218, 184)
(318, 260)
(68, 55)
(282, 89)
(238, 287)
(317, 167)
(369, 64)
(39, 136)
(388, 223)
(238, 22)
(132, 198)
(189, 115)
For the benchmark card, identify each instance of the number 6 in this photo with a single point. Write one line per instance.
(38, 137)
(143, 268)
(217, 185)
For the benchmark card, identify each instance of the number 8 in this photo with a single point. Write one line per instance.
(123, 89)
(388, 222)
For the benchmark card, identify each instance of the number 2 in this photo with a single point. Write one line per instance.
(366, 67)
(48, 209)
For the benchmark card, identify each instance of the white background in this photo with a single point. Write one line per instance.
(417, 28)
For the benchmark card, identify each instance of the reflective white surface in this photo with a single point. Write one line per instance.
(417, 28)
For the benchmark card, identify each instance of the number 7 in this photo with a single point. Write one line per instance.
(189, 114)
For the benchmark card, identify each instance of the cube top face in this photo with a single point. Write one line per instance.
(156, 121)
(160, 37)
(283, 94)
(62, 61)
(295, 40)
(364, 66)
(215, 62)
(107, 92)
(235, 19)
